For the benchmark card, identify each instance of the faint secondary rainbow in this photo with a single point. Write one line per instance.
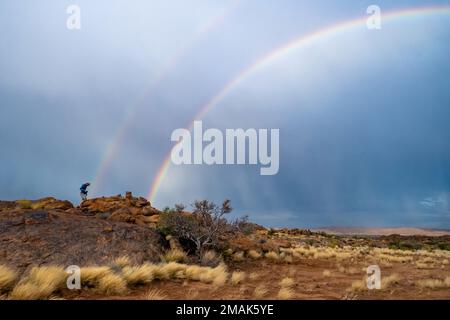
(114, 146)
(278, 52)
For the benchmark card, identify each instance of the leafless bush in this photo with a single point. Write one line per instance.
(203, 228)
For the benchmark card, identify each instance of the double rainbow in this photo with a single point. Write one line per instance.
(266, 59)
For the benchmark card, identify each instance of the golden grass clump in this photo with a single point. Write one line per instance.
(285, 293)
(40, 283)
(52, 276)
(326, 273)
(137, 275)
(254, 276)
(7, 278)
(260, 292)
(210, 258)
(392, 258)
(237, 277)
(254, 254)
(434, 283)
(90, 276)
(220, 277)
(287, 282)
(238, 256)
(169, 270)
(421, 265)
(288, 259)
(357, 285)
(217, 276)
(122, 262)
(112, 284)
(30, 291)
(228, 252)
(272, 255)
(174, 255)
(388, 281)
(430, 283)
(155, 294)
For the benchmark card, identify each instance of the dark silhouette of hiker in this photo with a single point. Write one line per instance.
(83, 191)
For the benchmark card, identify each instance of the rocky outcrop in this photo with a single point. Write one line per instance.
(128, 209)
(40, 237)
(51, 231)
(48, 203)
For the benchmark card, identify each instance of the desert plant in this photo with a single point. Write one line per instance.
(90, 276)
(326, 273)
(174, 255)
(287, 282)
(237, 277)
(119, 263)
(254, 254)
(155, 294)
(111, 284)
(203, 228)
(285, 293)
(51, 276)
(272, 255)
(210, 258)
(253, 276)
(238, 256)
(40, 283)
(30, 291)
(260, 292)
(388, 281)
(7, 278)
(138, 274)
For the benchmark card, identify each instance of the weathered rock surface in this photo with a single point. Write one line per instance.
(51, 237)
(126, 209)
(51, 231)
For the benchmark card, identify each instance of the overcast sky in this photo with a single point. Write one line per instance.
(363, 114)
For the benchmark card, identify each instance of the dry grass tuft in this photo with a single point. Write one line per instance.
(237, 277)
(51, 276)
(254, 254)
(217, 276)
(30, 291)
(174, 255)
(326, 273)
(272, 255)
(90, 276)
(138, 274)
(238, 256)
(7, 278)
(287, 282)
(210, 258)
(155, 294)
(122, 262)
(40, 283)
(112, 284)
(254, 276)
(170, 270)
(388, 281)
(357, 285)
(260, 292)
(285, 293)
(434, 283)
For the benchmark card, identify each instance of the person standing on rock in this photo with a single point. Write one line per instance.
(83, 191)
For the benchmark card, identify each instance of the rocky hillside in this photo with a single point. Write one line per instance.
(53, 231)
